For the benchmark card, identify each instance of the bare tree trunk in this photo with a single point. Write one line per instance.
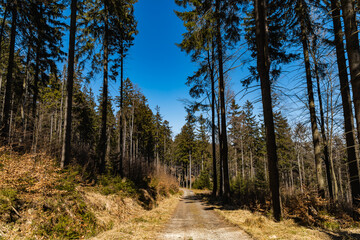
(24, 113)
(252, 173)
(9, 77)
(121, 143)
(353, 51)
(352, 154)
(322, 126)
(3, 27)
(314, 128)
(213, 143)
(66, 147)
(61, 112)
(11, 119)
(103, 137)
(300, 174)
(242, 158)
(224, 144)
(1, 37)
(124, 143)
(190, 169)
(330, 130)
(263, 67)
(221, 182)
(131, 136)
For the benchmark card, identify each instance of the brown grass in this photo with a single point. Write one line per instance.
(262, 228)
(138, 223)
(41, 195)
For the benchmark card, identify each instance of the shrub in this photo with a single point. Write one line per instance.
(112, 185)
(8, 202)
(203, 181)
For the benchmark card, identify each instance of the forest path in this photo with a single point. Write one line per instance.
(194, 219)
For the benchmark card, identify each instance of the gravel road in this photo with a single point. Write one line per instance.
(194, 220)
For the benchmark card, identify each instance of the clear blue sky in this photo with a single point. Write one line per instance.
(160, 69)
(156, 64)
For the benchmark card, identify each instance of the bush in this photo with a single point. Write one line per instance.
(162, 184)
(203, 181)
(112, 185)
(8, 202)
(65, 217)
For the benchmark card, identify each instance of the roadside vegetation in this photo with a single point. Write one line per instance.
(39, 200)
(304, 217)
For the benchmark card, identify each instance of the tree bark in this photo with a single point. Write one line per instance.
(103, 138)
(224, 144)
(213, 143)
(9, 77)
(66, 148)
(353, 51)
(263, 67)
(221, 159)
(310, 92)
(322, 127)
(121, 154)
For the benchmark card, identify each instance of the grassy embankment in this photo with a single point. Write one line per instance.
(40, 201)
(301, 220)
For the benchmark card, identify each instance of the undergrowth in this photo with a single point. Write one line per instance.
(38, 200)
(306, 209)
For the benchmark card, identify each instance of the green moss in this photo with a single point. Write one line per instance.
(8, 199)
(334, 226)
(70, 220)
(112, 185)
(68, 182)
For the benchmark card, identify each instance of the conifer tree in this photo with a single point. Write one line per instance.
(66, 151)
(9, 77)
(352, 151)
(263, 68)
(305, 29)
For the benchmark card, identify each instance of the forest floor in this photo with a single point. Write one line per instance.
(261, 227)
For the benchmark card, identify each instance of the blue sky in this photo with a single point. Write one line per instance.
(156, 64)
(160, 69)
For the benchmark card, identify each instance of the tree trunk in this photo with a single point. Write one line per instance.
(224, 144)
(213, 143)
(314, 128)
(103, 138)
(352, 44)
(3, 26)
(263, 67)
(66, 147)
(221, 168)
(242, 159)
(190, 169)
(353, 51)
(24, 112)
(9, 78)
(121, 154)
(322, 126)
(300, 174)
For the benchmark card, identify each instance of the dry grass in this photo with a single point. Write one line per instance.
(138, 223)
(263, 228)
(40, 201)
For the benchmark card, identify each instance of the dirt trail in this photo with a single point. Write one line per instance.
(195, 220)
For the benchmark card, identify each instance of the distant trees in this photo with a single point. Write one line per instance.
(273, 30)
(212, 29)
(48, 110)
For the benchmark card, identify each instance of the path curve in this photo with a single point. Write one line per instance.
(194, 220)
